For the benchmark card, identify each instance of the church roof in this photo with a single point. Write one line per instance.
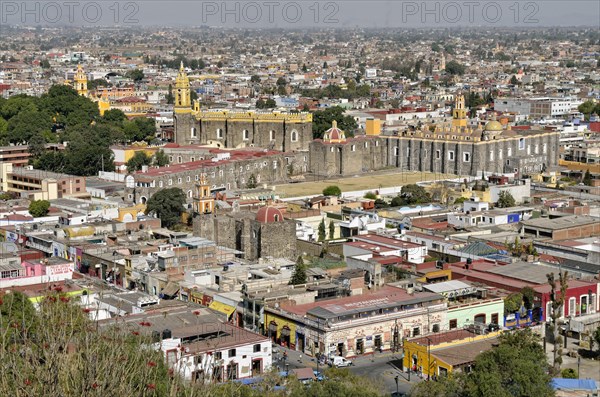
(269, 214)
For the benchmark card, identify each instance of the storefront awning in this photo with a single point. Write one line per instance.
(221, 307)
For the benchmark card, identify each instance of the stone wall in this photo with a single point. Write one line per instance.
(529, 153)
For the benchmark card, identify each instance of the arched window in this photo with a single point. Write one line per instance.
(219, 133)
(294, 137)
(245, 135)
(193, 132)
(189, 193)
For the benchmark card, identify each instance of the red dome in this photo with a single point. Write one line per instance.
(269, 215)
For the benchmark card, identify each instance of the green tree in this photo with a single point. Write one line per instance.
(528, 297)
(160, 158)
(513, 303)
(260, 104)
(136, 75)
(331, 229)
(557, 300)
(89, 152)
(413, 194)
(332, 190)
(255, 78)
(45, 64)
(170, 98)
(455, 68)
(322, 120)
(517, 367)
(23, 126)
(460, 200)
(321, 231)
(587, 178)
(446, 386)
(114, 116)
(587, 108)
(39, 208)
(137, 161)
(270, 103)
(514, 80)
(168, 205)
(370, 195)
(505, 200)
(3, 130)
(299, 275)
(569, 373)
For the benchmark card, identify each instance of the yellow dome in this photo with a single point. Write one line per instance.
(493, 126)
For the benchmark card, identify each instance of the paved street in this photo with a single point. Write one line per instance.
(382, 368)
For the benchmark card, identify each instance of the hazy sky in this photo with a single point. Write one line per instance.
(302, 13)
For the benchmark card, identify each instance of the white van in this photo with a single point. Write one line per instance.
(338, 361)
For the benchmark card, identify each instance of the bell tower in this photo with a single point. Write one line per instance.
(80, 81)
(204, 203)
(459, 113)
(183, 103)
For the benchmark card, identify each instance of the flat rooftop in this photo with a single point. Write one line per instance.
(41, 174)
(565, 222)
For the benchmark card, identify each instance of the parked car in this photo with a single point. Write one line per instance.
(493, 327)
(339, 362)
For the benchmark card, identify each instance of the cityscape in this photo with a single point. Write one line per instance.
(300, 199)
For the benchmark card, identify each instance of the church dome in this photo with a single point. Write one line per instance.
(334, 134)
(269, 214)
(493, 126)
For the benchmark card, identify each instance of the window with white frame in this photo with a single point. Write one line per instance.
(521, 143)
(500, 154)
(219, 133)
(536, 149)
(271, 135)
(193, 132)
(544, 148)
(466, 157)
(396, 151)
(438, 154)
(179, 180)
(451, 155)
(528, 149)
(572, 306)
(179, 159)
(170, 182)
(245, 135)
(491, 155)
(509, 152)
(353, 148)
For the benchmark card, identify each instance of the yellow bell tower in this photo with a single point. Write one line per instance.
(80, 81)
(183, 103)
(459, 113)
(204, 203)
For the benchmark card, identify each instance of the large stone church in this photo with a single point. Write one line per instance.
(452, 148)
(231, 129)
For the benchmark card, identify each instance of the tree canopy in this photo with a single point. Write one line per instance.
(332, 190)
(57, 350)
(516, 367)
(322, 120)
(411, 194)
(455, 68)
(167, 204)
(38, 208)
(299, 275)
(505, 200)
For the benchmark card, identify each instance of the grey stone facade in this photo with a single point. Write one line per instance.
(241, 231)
(238, 129)
(524, 152)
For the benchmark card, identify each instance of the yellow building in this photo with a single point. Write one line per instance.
(281, 330)
(373, 127)
(442, 353)
(183, 102)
